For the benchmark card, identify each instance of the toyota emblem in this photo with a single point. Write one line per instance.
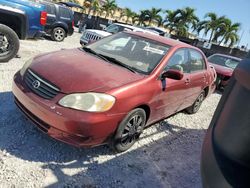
(36, 84)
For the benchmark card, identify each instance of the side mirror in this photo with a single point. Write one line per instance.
(173, 74)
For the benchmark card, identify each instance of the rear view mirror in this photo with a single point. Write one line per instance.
(173, 74)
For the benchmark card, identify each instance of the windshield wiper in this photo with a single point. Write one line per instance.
(107, 58)
(89, 50)
(117, 62)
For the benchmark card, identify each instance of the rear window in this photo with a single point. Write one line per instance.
(64, 12)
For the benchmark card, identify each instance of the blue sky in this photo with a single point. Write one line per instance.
(236, 10)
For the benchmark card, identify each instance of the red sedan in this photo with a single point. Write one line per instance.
(224, 66)
(109, 91)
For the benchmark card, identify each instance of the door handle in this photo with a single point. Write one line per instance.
(187, 81)
(204, 78)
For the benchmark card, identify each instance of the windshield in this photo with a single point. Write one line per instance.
(224, 61)
(140, 54)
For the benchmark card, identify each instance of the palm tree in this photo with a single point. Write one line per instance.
(160, 21)
(228, 31)
(128, 13)
(153, 15)
(109, 7)
(213, 25)
(233, 37)
(135, 18)
(142, 17)
(95, 6)
(187, 17)
(170, 20)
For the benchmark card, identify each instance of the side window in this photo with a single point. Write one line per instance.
(179, 61)
(50, 9)
(64, 13)
(197, 62)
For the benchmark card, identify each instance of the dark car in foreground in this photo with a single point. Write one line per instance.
(225, 158)
(108, 91)
(60, 21)
(224, 66)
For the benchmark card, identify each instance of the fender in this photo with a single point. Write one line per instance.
(16, 19)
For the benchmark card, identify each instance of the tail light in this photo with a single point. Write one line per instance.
(73, 23)
(43, 18)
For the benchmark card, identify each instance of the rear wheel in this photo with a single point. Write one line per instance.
(58, 34)
(197, 104)
(129, 130)
(9, 43)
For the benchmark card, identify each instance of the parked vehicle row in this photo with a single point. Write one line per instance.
(27, 19)
(19, 20)
(117, 86)
(91, 35)
(224, 66)
(60, 21)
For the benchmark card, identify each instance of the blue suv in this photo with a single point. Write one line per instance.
(19, 19)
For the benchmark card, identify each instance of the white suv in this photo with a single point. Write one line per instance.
(90, 35)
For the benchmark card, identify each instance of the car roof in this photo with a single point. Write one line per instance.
(128, 26)
(161, 39)
(156, 28)
(229, 56)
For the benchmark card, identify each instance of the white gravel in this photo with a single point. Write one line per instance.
(167, 155)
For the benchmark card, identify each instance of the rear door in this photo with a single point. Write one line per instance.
(198, 74)
(65, 15)
(51, 16)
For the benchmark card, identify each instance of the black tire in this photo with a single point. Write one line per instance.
(58, 34)
(132, 126)
(218, 83)
(9, 43)
(197, 104)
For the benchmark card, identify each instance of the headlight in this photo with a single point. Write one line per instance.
(26, 66)
(91, 102)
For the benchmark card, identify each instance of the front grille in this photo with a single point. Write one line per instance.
(92, 37)
(40, 86)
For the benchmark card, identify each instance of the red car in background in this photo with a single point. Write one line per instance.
(224, 66)
(108, 91)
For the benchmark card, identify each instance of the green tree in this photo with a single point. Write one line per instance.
(95, 6)
(128, 13)
(153, 15)
(170, 20)
(109, 7)
(212, 25)
(228, 32)
(187, 17)
(142, 17)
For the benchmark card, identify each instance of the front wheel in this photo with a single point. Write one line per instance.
(129, 130)
(58, 34)
(197, 104)
(9, 43)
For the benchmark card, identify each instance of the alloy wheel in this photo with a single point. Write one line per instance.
(198, 102)
(59, 34)
(5, 46)
(132, 130)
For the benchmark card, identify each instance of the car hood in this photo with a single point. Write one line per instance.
(222, 70)
(77, 71)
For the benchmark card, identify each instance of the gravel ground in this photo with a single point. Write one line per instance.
(167, 155)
